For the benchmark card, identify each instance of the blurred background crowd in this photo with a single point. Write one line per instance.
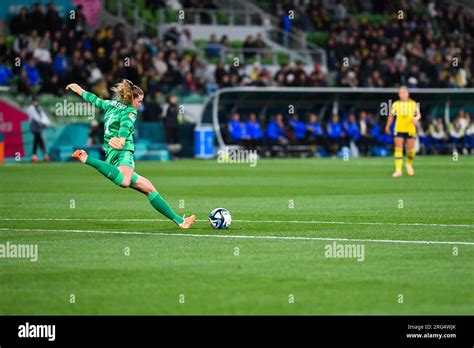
(360, 134)
(367, 43)
(432, 48)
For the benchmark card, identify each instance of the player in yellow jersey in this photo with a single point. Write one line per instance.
(407, 115)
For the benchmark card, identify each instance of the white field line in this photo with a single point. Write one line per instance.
(420, 224)
(239, 236)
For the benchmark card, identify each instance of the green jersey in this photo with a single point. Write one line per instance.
(119, 120)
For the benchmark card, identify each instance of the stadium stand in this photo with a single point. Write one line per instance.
(373, 49)
(417, 52)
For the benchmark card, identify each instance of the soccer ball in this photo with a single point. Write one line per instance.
(220, 218)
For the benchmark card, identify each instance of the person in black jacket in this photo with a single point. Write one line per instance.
(21, 24)
(53, 20)
(171, 121)
(152, 109)
(37, 18)
(38, 122)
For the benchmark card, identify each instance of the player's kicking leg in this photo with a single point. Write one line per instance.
(124, 176)
(143, 185)
(106, 169)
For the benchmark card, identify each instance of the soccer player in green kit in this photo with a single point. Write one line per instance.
(119, 167)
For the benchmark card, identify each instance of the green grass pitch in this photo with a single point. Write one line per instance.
(417, 233)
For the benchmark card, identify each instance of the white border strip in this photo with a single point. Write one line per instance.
(418, 224)
(239, 236)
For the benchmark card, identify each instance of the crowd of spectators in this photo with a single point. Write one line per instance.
(421, 51)
(420, 43)
(360, 134)
(49, 52)
(432, 49)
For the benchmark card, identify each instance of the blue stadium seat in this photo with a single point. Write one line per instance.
(73, 136)
(153, 132)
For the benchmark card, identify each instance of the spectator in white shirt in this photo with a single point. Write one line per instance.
(456, 133)
(42, 54)
(437, 135)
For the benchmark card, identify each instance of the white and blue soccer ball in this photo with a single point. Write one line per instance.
(220, 219)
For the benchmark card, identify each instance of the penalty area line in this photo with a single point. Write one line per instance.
(291, 238)
(310, 222)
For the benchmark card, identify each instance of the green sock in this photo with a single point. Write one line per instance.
(160, 204)
(109, 171)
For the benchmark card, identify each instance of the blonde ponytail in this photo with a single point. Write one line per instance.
(126, 91)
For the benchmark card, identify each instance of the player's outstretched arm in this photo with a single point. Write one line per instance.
(389, 124)
(88, 96)
(75, 88)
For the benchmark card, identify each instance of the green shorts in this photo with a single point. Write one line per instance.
(120, 158)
